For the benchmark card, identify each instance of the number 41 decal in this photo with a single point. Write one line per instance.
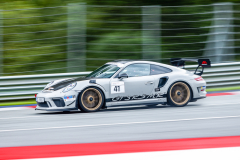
(117, 87)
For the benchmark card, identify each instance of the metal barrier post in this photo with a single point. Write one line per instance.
(221, 45)
(151, 32)
(76, 37)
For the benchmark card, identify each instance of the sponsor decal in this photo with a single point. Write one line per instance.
(203, 88)
(138, 97)
(69, 98)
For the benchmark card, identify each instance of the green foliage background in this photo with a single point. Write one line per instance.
(37, 59)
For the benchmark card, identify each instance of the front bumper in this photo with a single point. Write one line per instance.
(58, 101)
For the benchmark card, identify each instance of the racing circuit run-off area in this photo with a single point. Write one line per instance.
(207, 129)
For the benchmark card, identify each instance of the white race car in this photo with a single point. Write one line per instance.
(124, 83)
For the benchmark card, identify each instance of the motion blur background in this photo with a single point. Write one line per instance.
(56, 36)
(45, 40)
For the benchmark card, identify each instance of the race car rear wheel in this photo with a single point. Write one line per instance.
(179, 94)
(91, 99)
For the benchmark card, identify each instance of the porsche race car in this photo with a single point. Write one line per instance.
(125, 83)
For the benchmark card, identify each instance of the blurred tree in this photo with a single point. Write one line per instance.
(28, 61)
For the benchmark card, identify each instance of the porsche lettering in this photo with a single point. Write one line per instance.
(138, 97)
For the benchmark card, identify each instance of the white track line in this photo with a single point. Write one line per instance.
(221, 104)
(21, 117)
(231, 153)
(14, 108)
(115, 124)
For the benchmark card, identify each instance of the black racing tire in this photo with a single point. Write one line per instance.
(91, 99)
(179, 94)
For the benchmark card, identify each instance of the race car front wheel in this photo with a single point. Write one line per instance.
(179, 94)
(91, 99)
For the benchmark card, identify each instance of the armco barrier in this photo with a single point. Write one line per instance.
(24, 87)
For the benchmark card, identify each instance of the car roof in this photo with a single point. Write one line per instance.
(125, 62)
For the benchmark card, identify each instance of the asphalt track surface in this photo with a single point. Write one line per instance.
(210, 117)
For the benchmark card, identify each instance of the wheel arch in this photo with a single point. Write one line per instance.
(96, 86)
(93, 86)
(187, 83)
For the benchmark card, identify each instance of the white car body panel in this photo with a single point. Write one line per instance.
(134, 86)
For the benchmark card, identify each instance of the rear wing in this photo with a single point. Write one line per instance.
(203, 63)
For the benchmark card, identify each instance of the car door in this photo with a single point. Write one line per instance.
(136, 88)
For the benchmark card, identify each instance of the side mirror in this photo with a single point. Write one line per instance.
(123, 75)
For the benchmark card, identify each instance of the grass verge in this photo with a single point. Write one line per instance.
(223, 89)
(17, 103)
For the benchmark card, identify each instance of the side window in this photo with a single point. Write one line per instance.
(155, 69)
(137, 70)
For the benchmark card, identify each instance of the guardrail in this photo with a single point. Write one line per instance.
(24, 87)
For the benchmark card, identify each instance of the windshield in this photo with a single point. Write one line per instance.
(106, 71)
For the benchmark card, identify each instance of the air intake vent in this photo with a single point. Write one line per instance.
(44, 104)
(162, 81)
(59, 102)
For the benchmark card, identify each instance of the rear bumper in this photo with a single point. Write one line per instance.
(195, 99)
(198, 89)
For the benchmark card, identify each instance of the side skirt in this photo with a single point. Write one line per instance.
(137, 102)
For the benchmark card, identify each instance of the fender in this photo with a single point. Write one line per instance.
(190, 86)
(93, 85)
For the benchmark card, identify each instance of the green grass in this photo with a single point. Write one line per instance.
(17, 103)
(223, 89)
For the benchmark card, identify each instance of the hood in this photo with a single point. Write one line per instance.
(65, 82)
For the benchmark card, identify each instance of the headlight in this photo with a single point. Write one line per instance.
(49, 84)
(69, 87)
